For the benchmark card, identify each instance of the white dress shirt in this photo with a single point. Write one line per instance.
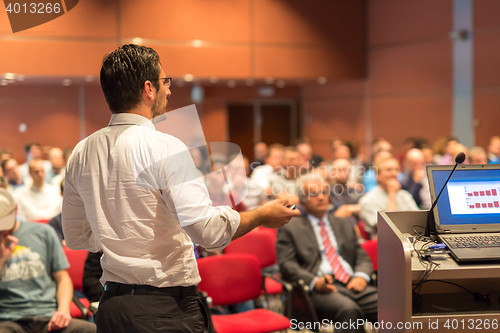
(134, 193)
(38, 203)
(325, 267)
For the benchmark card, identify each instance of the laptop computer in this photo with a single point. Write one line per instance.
(467, 214)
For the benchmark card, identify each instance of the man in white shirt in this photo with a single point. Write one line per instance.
(134, 193)
(386, 196)
(39, 200)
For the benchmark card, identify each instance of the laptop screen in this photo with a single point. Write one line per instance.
(471, 197)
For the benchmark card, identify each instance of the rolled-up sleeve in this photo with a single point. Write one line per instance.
(215, 233)
(186, 194)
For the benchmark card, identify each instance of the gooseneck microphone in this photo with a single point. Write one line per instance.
(430, 228)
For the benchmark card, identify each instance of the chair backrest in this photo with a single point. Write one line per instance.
(362, 231)
(44, 221)
(260, 243)
(371, 247)
(230, 278)
(76, 259)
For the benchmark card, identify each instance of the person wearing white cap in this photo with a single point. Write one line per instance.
(35, 286)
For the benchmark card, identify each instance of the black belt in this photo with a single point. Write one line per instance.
(139, 289)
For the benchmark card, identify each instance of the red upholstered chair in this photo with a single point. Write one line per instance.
(371, 248)
(44, 221)
(262, 244)
(76, 258)
(235, 278)
(362, 231)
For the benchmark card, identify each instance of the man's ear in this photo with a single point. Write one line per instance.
(149, 90)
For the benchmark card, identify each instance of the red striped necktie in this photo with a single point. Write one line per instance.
(333, 257)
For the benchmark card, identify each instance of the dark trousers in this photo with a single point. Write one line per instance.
(147, 309)
(40, 325)
(346, 305)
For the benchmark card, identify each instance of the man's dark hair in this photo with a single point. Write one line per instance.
(124, 72)
(27, 147)
(4, 163)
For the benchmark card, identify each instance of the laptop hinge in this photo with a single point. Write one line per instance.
(447, 231)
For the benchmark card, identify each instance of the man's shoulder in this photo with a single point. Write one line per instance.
(36, 228)
(265, 168)
(295, 223)
(373, 195)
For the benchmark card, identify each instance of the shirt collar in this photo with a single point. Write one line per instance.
(315, 221)
(130, 119)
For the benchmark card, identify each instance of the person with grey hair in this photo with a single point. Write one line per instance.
(323, 251)
(36, 288)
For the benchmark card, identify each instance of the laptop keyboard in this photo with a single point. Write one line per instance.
(468, 241)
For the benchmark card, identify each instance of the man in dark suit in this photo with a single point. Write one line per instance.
(323, 251)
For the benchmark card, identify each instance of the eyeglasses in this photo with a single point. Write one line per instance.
(167, 81)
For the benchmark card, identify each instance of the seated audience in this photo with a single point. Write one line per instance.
(5, 154)
(56, 221)
(263, 174)
(58, 170)
(323, 251)
(305, 157)
(448, 158)
(477, 155)
(34, 152)
(243, 185)
(494, 150)
(386, 196)
(12, 172)
(285, 184)
(428, 155)
(38, 201)
(218, 189)
(457, 149)
(370, 176)
(36, 288)
(259, 155)
(344, 195)
(415, 179)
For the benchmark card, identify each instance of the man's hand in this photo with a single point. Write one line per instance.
(357, 283)
(290, 198)
(275, 214)
(59, 320)
(343, 211)
(7, 245)
(324, 285)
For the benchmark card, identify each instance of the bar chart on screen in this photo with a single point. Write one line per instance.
(474, 197)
